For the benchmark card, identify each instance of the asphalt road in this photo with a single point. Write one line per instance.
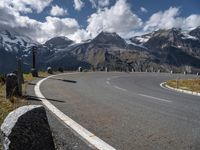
(129, 110)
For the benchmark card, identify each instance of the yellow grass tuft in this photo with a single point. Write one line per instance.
(185, 84)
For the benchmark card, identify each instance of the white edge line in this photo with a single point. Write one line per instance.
(163, 85)
(159, 99)
(119, 88)
(81, 131)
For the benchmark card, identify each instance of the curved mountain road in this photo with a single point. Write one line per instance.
(128, 110)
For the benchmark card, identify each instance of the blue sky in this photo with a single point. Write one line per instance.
(187, 7)
(84, 19)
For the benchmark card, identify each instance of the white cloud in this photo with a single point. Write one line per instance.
(99, 4)
(79, 35)
(26, 6)
(103, 3)
(144, 10)
(58, 11)
(191, 21)
(119, 18)
(171, 18)
(164, 20)
(78, 5)
(40, 31)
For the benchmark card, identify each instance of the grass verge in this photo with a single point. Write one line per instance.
(185, 84)
(6, 106)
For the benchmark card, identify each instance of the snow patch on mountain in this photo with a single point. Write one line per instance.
(12, 41)
(187, 36)
(128, 41)
(143, 39)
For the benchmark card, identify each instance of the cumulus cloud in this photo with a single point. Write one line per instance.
(164, 20)
(40, 31)
(79, 36)
(58, 11)
(99, 4)
(51, 27)
(191, 21)
(27, 6)
(103, 3)
(171, 18)
(119, 18)
(144, 10)
(78, 5)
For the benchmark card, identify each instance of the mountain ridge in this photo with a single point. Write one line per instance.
(163, 50)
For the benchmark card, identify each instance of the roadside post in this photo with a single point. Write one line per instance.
(19, 75)
(34, 70)
(106, 69)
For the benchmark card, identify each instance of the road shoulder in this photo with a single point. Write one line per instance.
(64, 138)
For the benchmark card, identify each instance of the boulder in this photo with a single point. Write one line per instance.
(49, 70)
(27, 128)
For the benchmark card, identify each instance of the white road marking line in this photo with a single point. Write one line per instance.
(86, 135)
(159, 99)
(119, 88)
(162, 85)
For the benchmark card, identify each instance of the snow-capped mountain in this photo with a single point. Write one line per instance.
(12, 46)
(13, 41)
(162, 49)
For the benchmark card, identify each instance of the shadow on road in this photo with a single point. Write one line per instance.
(64, 80)
(35, 98)
(31, 83)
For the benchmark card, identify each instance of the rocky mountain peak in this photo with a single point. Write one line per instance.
(59, 42)
(108, 38)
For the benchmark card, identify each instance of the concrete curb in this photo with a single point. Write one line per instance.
(163, 85)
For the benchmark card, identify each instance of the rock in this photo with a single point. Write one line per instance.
(49, 70)
(34, 72)
(27, 128)
(12, 85)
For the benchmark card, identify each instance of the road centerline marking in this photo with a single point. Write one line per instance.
(86, 135)
(156, 98)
